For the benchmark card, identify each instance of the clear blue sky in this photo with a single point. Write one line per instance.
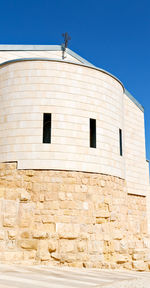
(112, 34)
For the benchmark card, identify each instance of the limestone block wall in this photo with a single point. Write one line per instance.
(72, 218)
(73, 94)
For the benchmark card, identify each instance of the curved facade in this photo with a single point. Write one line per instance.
(72, 94)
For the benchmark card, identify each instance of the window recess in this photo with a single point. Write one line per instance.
(120, 142)
(92, 133)
(47, 118)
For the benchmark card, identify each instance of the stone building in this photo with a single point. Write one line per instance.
(74, 180)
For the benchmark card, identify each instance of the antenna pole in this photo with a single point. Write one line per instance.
(65, 44)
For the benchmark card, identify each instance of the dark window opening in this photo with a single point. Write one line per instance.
(46, 128)
(93, 133)
(120, 142)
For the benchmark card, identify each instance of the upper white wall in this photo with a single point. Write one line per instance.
(73, 94)
(134, 149)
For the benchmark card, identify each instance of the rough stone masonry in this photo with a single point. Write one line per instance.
(73, 218)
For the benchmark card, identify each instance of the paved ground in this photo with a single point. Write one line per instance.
(54, 277)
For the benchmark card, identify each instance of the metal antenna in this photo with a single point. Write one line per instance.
(65, 44)
(66, 39)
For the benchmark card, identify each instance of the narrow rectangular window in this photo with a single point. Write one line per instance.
(120, 141)
(93, 133)
(47, 128)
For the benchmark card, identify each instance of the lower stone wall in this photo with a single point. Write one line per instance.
(72, 218)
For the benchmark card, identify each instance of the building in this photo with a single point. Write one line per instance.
(74, 180)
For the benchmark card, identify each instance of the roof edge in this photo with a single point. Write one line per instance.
(14, 47)
(78, 57)
(127, 93)
(43, 48)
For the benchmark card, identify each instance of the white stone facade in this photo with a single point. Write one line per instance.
(73, 93)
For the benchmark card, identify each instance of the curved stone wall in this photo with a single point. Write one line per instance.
(73, 94)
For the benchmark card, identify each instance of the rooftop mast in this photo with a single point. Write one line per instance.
(65, 44)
